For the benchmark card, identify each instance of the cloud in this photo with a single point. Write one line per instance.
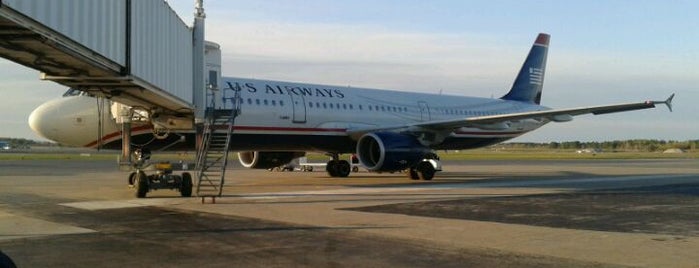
(361, 55)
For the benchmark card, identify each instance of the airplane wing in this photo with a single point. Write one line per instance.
(556, 115)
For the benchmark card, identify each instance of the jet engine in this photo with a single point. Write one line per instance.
(265, 160)
(388, 151)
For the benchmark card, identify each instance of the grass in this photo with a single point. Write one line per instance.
(486, 154)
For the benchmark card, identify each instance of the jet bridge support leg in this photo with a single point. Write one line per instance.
(125, 157)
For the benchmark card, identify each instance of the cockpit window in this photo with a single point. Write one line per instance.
(74, 92)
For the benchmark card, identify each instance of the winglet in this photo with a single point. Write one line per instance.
(668, 102)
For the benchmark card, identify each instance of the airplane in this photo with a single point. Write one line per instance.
(388, 130)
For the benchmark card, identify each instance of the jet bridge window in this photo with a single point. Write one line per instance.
(213, 79)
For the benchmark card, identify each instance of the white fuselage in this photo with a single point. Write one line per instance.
(294, 116)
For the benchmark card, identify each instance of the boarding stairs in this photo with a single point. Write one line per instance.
(212, 157)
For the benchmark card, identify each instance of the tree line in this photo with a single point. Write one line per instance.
(639, 145)
(17, 143)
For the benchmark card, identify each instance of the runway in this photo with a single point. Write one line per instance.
(567, 213)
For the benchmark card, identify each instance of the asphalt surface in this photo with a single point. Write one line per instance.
(475, 214)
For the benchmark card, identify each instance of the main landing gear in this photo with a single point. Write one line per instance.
(337, 167)
(162, 179)
(425, 169)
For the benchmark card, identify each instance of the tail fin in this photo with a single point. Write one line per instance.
(530, 80)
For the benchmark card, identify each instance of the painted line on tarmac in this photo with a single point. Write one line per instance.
(131, 203)
(558, 183)
(14, 227)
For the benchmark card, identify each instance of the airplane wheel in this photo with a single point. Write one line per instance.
(132, 178)
(355, 169)
(343, 168)
(186, 187)
(425, 171)
(141, 184)
(331, 168)
(412, 174)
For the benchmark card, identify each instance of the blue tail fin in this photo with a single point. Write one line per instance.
(530, 80)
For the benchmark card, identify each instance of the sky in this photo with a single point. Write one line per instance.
(601, 52)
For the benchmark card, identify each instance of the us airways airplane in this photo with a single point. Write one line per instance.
(387, 130)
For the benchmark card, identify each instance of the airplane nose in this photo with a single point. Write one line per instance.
(72, 121)
(40, 121)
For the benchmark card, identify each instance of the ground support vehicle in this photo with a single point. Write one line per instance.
(162, 179)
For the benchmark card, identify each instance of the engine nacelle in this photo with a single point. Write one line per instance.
(265, 160)
(388, 151)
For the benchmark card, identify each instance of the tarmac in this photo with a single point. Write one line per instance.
(543, 213)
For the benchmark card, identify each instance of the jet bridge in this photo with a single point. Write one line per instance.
(136, 52)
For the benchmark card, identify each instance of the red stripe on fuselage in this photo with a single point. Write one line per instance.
(117, 133)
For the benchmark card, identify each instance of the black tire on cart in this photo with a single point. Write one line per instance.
(141, 184)
(132, 178)
(186, 186)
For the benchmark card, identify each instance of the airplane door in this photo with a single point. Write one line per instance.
(424, 111)
(298, 104)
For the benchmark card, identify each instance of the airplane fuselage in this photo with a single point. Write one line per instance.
(284, 116)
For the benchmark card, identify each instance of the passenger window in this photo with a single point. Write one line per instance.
(266, 103)
(281, 103)
(257, 101)
(274, 103)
